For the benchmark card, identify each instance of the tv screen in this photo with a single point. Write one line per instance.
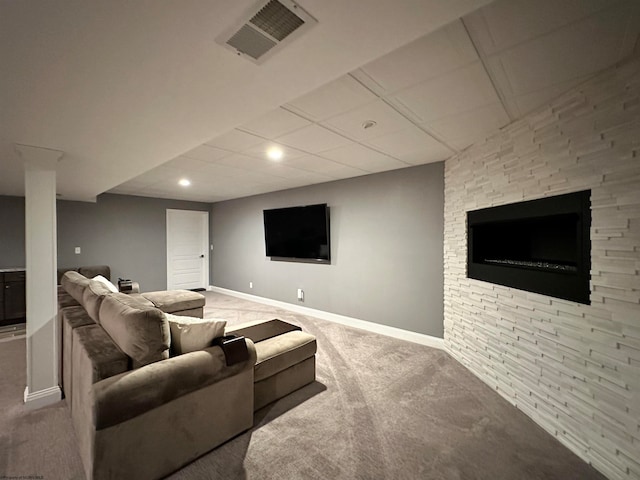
(298, 232)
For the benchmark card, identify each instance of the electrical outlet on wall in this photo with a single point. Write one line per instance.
(78, 250)
(301, 295)
(250, 284)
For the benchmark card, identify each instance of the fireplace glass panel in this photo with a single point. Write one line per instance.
(542, 246)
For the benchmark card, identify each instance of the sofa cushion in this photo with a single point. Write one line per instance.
(172, 301)
(140, 332)
(133, 393)
(106, 359)
(64, 299)
(74, 283)
(72, 318)
(189, 334)
(278, 353)
(92, 298)
(140, 300)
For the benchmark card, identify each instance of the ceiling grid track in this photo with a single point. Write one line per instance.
(337, 132)
(300, 149)
(483, 60)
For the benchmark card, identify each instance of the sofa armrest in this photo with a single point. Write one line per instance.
(260, 330)
(125, 396)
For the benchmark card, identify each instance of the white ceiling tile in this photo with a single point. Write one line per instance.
(226, 187)
(412, 146)
(244, 162)
(214, 170)
(159, 174)
(206, 153)
(313, 163)
(332, 99)
(175, 188)
(235, 141)
(310, 179)
(260, 189)
(126, 190)
(289, 172)
(186, 163)
(165, 188)
(470, 125)
(260, 150)
(364, 158)
(433, 55)
(318, 178)
(575, 51)
(504, 24)
(254, 177)
(351, 123)
(285, 171)
(313, 139)
(275, 123)
(138, 182)
(464, 89)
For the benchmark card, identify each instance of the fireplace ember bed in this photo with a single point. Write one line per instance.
(541, 246)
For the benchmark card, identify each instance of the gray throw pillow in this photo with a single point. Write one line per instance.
(189, 334)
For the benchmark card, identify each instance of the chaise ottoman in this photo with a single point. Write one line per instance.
(285, 358)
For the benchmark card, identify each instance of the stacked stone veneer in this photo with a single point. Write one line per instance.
(574, 369)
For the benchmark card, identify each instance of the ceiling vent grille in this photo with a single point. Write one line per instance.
(266, 28)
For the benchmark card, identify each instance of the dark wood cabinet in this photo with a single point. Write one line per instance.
(12, 297)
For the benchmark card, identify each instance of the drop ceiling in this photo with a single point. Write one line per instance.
(138, 104)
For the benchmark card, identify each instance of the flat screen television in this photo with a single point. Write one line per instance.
(298, 233)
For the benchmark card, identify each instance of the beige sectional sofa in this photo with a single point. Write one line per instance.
(140, 412)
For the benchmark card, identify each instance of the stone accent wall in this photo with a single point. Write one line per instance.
(574, 369)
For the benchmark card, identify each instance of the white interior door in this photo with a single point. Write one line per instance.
(187, 249)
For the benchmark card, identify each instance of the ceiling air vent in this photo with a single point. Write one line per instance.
(266, 28)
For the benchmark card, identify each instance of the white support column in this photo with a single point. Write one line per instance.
(43, 342)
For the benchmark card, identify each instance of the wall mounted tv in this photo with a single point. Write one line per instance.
(298, 233)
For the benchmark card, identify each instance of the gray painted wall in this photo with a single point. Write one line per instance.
(386, 249)
(12, 232)
(125, 232)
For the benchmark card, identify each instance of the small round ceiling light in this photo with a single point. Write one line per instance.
(184, 182)
(369, 124)
(275, 153)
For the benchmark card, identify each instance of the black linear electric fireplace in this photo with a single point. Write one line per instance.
(541, 246)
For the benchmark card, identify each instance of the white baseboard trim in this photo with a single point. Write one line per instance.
(42, 398)
(394, 332)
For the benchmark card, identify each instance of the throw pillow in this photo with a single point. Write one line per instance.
(189, 334)
(106, 282)
(140, 332)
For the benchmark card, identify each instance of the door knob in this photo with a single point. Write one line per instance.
(202, 256)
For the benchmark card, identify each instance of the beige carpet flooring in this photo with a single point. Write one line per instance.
(380, 409)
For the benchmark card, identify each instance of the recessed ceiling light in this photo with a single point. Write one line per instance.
(275, 153)
(184, 182)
